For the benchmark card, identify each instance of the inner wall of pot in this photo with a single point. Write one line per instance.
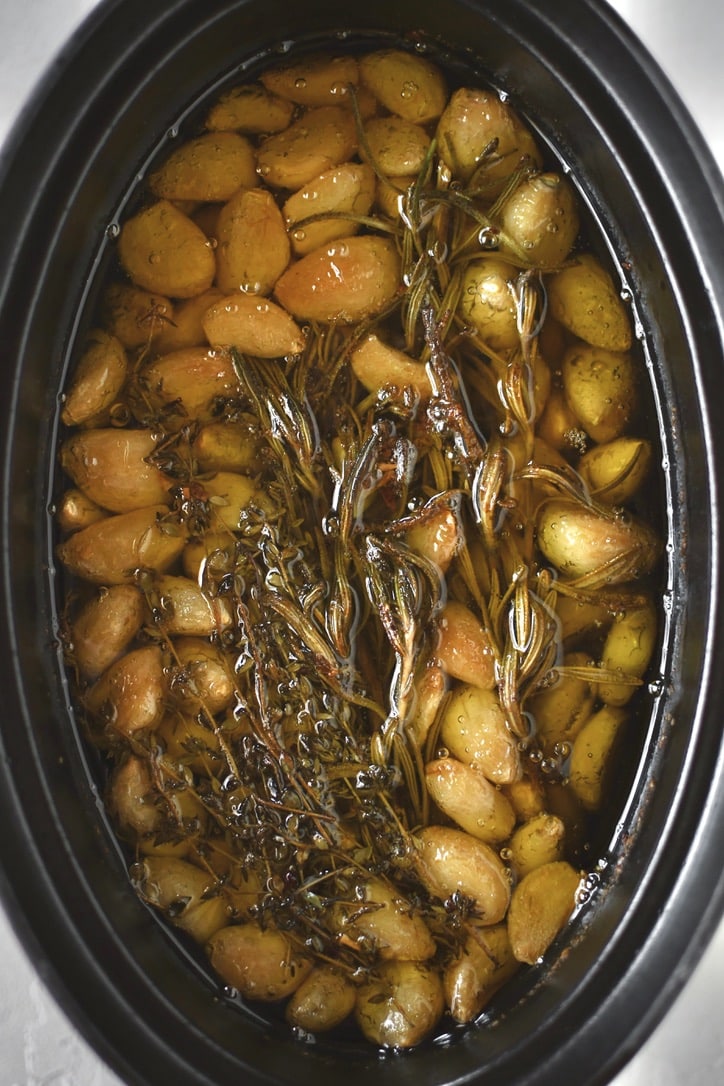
(118, 141)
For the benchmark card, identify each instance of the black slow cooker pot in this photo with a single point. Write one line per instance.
(132, 71)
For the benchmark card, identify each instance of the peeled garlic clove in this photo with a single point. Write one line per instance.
(313, 81)
(163, 251)
(585, 301)
(397, 147)
(322, 1001)
(540, 907)
(467, 797)
(184, 893)
(580, 542)
(346, 190)
(105, 627)
(186, 329)
(592, 753)
(111, 550)
(135, 316)
(378, 366)
(112, 467)
(97, 380)
(250, 109)
(193, 380)
(474, 729)
(541, 218)
(400, 1004)
(348, 280)
(449, 860)
(538, 841)
(487, 302)
(628, 649)
(464, 648)
(407, 85)
(252, 325)
(130, 696)
(616, 470)
(561, 709)
(323, 137)
(476, 973)
(209, 168)
(382, 916)
(478, 132)
(260, 963)
(601, 388)
(185, 608)
(203, 678)
(253, 246)
(76, 511)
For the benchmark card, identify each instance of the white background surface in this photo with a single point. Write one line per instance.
(38, 1047)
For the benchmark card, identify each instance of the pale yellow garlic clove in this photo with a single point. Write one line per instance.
(345, 191)
(464, 647)
(585, 301)
(135, 316)
(559, 426)
(105, 627)
(540, 907)
(379, 366)
(526, 796)
(252, 325)
(488, 303)
(323, 1001)
(399, 1004)
(210, 167)
(250, 109)
(469, 799)
(628, 648)
(323, 137)
(601, 388)
(407, 85)
(164, 252)
(185, 893)
(134, 799)
(348, 280)
(314, 80)
(479, 132)
(194, 379)
(229, 494)
(541, 218)
(592, 754)
(186, 609)
(214, 548)
(430, 688)
(540, 840)
(76, 511)
(450, 861)
(616, 470)
(561, 709)
(438, 533)
(474, 729)
(185, 328)
(111, 550)
(97, 380)
(381, 917)
(130, 695)
(476, 973)
(252, 243)
(580, 541)
(260, 963)
(227, 446)
(112, 467)
(398, 148)
(184, 740)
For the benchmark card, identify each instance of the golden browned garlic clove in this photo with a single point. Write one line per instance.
(164, 252)
(398, 148)
(97, 380)
(250, 109)
(477, 972)
(112, 467)
(184, 893)
(130, 696)
(193, 380)
(211, 167)
(379, 366)
(105, 627)
(347, 281)
(464, 647)
(538, 841)
(252, 243)
(314, 80)
(252, 325)
(407, 85)
(383, 917)
(343, 192)
(321, 138)
(111, 550)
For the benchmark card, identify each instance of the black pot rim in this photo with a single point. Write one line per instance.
(670, 914)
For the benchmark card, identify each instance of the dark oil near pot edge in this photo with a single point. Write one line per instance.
(604, 833)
